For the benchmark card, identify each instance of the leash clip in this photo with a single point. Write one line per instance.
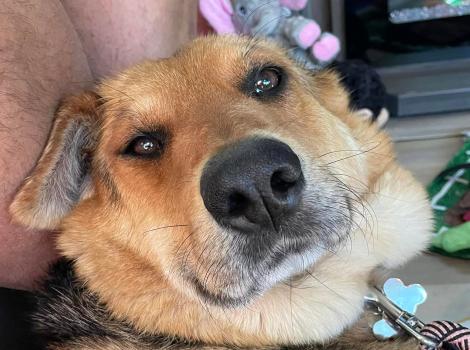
(394, 317)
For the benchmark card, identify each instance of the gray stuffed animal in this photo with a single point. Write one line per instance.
(276, 19)
(269, 18)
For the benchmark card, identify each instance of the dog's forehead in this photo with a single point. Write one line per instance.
(203, 70)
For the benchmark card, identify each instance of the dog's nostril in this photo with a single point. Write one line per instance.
(282, 182)
(237, 204)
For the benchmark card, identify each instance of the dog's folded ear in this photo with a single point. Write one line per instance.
(61, 175)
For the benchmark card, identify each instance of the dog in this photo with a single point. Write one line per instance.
(225, 197)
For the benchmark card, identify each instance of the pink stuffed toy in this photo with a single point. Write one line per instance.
(273, 19)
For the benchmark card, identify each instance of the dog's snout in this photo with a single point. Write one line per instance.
(253, 186)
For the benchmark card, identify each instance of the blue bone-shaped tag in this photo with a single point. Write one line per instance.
(405, 297)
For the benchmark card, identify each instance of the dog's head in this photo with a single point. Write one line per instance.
(218, 195)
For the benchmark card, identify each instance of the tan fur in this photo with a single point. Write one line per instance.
(129, 250)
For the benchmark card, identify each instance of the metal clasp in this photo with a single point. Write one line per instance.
(398, 317)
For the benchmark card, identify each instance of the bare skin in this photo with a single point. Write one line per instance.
(49, 49)
(116, 33)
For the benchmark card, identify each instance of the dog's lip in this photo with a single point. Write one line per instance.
(298, 277)
(222, 299)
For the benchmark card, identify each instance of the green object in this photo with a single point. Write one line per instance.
(453, 240)
(445, 192)
(454, 2)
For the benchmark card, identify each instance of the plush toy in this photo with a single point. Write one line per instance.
(274, 19)
(366, 89)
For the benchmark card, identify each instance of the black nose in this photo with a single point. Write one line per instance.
(253, 185)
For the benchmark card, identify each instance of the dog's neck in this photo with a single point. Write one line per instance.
(69, 313)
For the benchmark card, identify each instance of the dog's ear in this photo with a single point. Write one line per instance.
(62, 173)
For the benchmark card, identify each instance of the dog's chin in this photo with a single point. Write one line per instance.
(245, 290)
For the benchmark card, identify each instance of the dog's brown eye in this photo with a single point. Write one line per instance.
(146, 146)
(267, 79)
(265, 82)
